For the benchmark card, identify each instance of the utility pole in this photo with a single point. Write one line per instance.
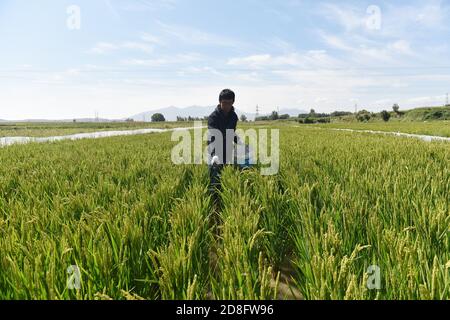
(447, 104)
(257, 110)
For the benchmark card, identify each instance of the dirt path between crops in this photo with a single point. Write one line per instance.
(286, 289)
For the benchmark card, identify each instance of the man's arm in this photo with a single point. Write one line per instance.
(236, 138)
(212, 124)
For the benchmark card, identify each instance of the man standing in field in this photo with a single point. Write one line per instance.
(219, 145)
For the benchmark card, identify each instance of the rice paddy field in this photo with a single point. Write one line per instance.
(139, 227)
(46, 129)
(432, 128)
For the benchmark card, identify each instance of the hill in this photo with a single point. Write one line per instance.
(427, 114)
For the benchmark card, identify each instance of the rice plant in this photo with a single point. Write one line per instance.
(137, 226)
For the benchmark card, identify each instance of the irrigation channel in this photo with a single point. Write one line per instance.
(399, 134)
(7, 141)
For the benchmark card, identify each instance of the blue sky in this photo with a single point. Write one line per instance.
(130, 56)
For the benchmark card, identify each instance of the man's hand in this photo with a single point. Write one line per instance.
(215, 160)
(238, 140)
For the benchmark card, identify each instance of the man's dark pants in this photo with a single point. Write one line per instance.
(215, 184)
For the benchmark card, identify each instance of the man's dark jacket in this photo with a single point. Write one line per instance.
(218, 120)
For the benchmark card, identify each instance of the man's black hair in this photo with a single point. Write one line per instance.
(227, 94)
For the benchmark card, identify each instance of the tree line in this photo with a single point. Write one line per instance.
(311, 117)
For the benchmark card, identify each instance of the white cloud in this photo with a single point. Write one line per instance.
(309, 59)
(433, 16)
(162, 61)
(321, 100)
(364, 51)
(146, 62)
(402, 47)
(280, 45)
(137, 46)
(105, 47)
(249, 77)
(335, 42)
(147, 37)
(194, 36)
(253, 61)
(201, 70)
(396, 20)
(148, 5)
(111, 8)
(350, 18)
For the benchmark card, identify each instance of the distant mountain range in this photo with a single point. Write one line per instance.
(171, 113)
